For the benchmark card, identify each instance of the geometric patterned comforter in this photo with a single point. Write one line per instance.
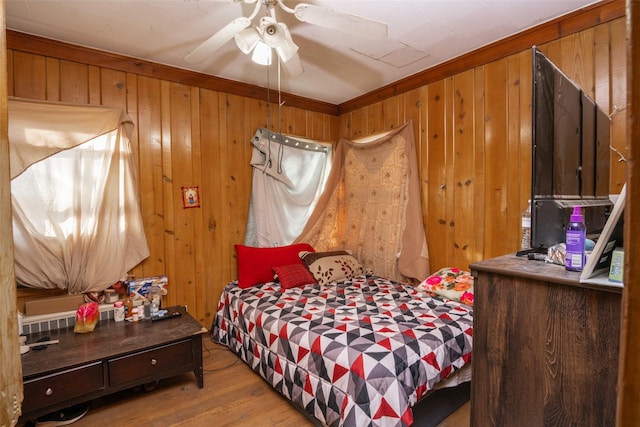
(354, 353)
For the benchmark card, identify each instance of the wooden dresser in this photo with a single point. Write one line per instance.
(545, 347)
(115, 356)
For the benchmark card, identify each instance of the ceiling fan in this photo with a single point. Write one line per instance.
(269, 34)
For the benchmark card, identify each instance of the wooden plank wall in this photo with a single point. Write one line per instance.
(184, 135)
(473, 136)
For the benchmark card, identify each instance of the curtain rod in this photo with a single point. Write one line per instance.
(303, 144)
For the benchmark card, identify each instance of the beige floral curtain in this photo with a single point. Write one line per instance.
(372, 206)
(76, 215)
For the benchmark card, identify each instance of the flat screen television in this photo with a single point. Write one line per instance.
(570, 159)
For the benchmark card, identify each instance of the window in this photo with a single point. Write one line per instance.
(76, 215)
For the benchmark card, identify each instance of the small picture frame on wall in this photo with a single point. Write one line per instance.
(190, 197)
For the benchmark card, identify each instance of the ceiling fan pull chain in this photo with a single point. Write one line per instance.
(268, 163)
(280, 146)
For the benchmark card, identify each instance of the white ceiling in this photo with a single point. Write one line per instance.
(338, 67)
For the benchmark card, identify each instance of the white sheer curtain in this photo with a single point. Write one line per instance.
(76, 215)
(289, 174)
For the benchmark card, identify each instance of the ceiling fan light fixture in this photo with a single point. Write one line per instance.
(247, 39)
(261, 53)
(277, 36)
(274, 34)
(287, 51)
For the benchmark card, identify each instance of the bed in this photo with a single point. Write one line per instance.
(363, 351)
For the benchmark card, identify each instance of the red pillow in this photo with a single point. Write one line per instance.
(255, 265)
(293, 275)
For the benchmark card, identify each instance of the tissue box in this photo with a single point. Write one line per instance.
(616, 271)
(139, 288)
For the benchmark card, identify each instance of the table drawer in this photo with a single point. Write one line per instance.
(61, 386)
(150, 363)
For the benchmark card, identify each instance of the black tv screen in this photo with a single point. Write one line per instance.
(570, 159)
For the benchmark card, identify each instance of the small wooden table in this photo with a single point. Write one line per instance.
(114, 357)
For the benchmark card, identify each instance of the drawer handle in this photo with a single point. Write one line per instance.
(154, 361)
(49, 392)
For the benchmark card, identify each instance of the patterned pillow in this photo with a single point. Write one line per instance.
(293, 275)
(450, 283)
(332, 266)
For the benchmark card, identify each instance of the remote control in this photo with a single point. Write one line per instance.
(165, 315)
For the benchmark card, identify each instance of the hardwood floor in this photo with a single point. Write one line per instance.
(233, 395)
(460, 418)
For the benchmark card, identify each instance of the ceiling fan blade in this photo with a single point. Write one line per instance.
(339, 21)
(293, 67)
(216, 41)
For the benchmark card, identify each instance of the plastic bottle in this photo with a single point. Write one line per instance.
(118, 311)
(146, 307)
(128, 304)
(526, 228)
(155, 296)
(576, 235)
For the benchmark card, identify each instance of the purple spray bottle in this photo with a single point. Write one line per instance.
(576, 235)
